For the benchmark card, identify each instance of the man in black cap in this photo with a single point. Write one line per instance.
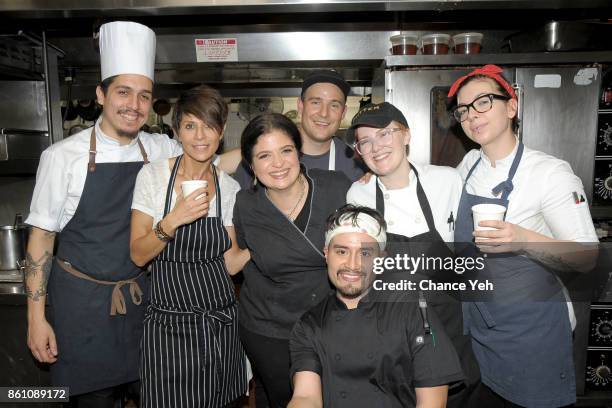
(322, 106)
(365, 348)
(419, 202)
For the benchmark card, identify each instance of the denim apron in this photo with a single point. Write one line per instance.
(522, 336)
(98, 349)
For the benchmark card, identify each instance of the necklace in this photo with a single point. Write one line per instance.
(299, 200)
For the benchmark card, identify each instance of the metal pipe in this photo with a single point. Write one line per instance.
(39, 41)
(47, 86)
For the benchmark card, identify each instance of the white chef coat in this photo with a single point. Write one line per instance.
(404, 216)
(543, 198)
(62, 171)
(152, 185)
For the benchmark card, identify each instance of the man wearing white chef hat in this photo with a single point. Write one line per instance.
(83, 197)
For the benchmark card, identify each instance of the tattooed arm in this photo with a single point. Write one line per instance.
(39, 258)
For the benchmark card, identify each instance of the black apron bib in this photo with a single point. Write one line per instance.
(191, 352)
(97, 350)
(523, 346)
(446, 306)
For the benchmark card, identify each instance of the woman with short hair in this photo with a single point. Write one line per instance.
(191, 354)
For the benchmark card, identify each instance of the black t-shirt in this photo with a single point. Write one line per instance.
(345, 162)
(374, 355)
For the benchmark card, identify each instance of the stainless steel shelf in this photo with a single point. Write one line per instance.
(590, 57)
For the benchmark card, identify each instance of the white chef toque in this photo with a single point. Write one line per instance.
(127, 48)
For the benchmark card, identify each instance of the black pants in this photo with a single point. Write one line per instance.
(271, 364)
(483, 396)
(106, 398)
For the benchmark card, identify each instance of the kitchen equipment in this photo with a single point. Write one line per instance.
(252, 107)
(404, 44)
(162, 107)
(604, 134)
(562, 36)
(13, 241)
(602, 189)
(598, 372)
(435, 44)
(69, 112)
(88, 110)
(600, 333)
(467, 43)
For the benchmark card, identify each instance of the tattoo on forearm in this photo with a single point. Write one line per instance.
(32, 268)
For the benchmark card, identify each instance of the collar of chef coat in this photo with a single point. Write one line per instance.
(504, 163)
(363, 302)
(411, 178)
(101, 137)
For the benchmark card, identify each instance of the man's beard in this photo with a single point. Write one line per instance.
(128, 134)
(123, 133)
(349, 290)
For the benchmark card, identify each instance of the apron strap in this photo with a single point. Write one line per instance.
(506, 187)
(331, 164)
(143, 152)
(471, 171)
(171, 185)
(421, 197)
(217, 192)
(117, 298)
(91, 165)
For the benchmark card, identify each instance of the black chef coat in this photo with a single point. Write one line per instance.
(374, 355)
(287, 273)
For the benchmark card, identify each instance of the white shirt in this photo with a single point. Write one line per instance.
(152, 184)
(543, 198)
(404, 216)
(62, 171)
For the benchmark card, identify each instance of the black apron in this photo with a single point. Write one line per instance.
(97, 350)
(447, 307)
(191, 352)
(523, 344)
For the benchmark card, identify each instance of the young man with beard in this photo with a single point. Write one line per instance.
(82, 197)
(359, 349)
(322, 106)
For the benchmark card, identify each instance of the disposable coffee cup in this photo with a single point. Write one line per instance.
(190, 186)
(487, 212)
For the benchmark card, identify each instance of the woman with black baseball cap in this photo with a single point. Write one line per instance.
(419, 204)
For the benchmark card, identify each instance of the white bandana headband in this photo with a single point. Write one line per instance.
(363, 223)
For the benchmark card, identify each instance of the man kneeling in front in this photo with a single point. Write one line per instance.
(363, 348)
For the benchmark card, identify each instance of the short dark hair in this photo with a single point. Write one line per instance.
(106, 83)
(203, 102)
(351, 211)
(515, 120)
(262, 125)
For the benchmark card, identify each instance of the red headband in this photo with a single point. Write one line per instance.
(491, 71)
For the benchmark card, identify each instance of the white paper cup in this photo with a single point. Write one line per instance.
(189, 186)
(487, 212)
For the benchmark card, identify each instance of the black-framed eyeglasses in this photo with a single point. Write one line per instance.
(382, 137)
(482, 104)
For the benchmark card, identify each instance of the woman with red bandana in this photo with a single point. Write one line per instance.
(522, 334)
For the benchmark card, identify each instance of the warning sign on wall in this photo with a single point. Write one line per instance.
(216, 49)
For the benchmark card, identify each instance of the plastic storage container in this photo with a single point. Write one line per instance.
(435, 44)
(404, 44)
(467, 43)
